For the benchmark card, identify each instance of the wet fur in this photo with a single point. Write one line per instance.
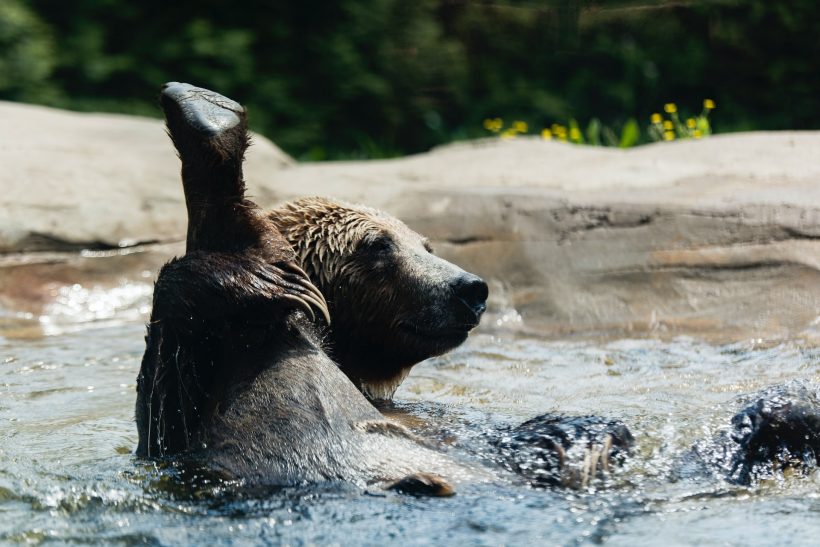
(775, 430)
(234, 374)
(391, 299)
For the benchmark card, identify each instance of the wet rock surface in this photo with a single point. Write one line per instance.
(717, 238)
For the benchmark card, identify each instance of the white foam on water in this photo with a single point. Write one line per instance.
(76, 305)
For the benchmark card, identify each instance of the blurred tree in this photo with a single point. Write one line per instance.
(26, 54)
(370, 78)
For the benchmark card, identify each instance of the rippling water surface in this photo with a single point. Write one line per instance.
(67, 472)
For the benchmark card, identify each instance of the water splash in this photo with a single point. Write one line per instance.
(502, 314)
(76, 306)
(67, 473)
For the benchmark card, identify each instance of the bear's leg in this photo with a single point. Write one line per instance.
(202, 288)
(210, 134)
(554, 450)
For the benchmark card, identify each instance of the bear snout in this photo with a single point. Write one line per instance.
(471, 291)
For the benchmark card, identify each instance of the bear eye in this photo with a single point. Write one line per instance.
(427, 246)
(380, 245)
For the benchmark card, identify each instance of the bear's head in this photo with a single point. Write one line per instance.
(392, 302)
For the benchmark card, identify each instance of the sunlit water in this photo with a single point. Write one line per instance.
(67, 473)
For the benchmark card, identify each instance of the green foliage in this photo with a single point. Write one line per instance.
(670, 129)
(26, 54)
(630, 134)
(594, 132)
(660, 129)
(322, 79)
(375, 78)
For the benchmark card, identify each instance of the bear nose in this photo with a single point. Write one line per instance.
(472, 291)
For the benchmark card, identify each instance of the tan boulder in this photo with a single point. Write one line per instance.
(72, 180)
(718, 237)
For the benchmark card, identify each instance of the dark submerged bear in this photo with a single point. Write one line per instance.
(775, 430)
(234, 373)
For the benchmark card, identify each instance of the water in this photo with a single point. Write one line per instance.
(67, 473)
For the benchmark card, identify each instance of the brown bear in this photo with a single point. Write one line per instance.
(234, 373)
(392, 301)
(360, 258)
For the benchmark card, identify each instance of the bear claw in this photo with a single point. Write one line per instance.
(305, 290)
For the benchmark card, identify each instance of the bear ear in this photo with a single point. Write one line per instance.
(210, 134)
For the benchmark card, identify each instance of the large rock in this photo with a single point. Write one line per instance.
(73, 180)
(719, 237)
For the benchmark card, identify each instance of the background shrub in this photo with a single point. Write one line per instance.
(371, 78)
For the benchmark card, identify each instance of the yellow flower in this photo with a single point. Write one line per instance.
(493, 124)
(668, 135)
(709, 104)
(697, 134)
(691, 123)
(656, 118)
(669, 126)
(670, 108)
(546, 134)
(520, 127)
(575, 134)
(508, 134)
